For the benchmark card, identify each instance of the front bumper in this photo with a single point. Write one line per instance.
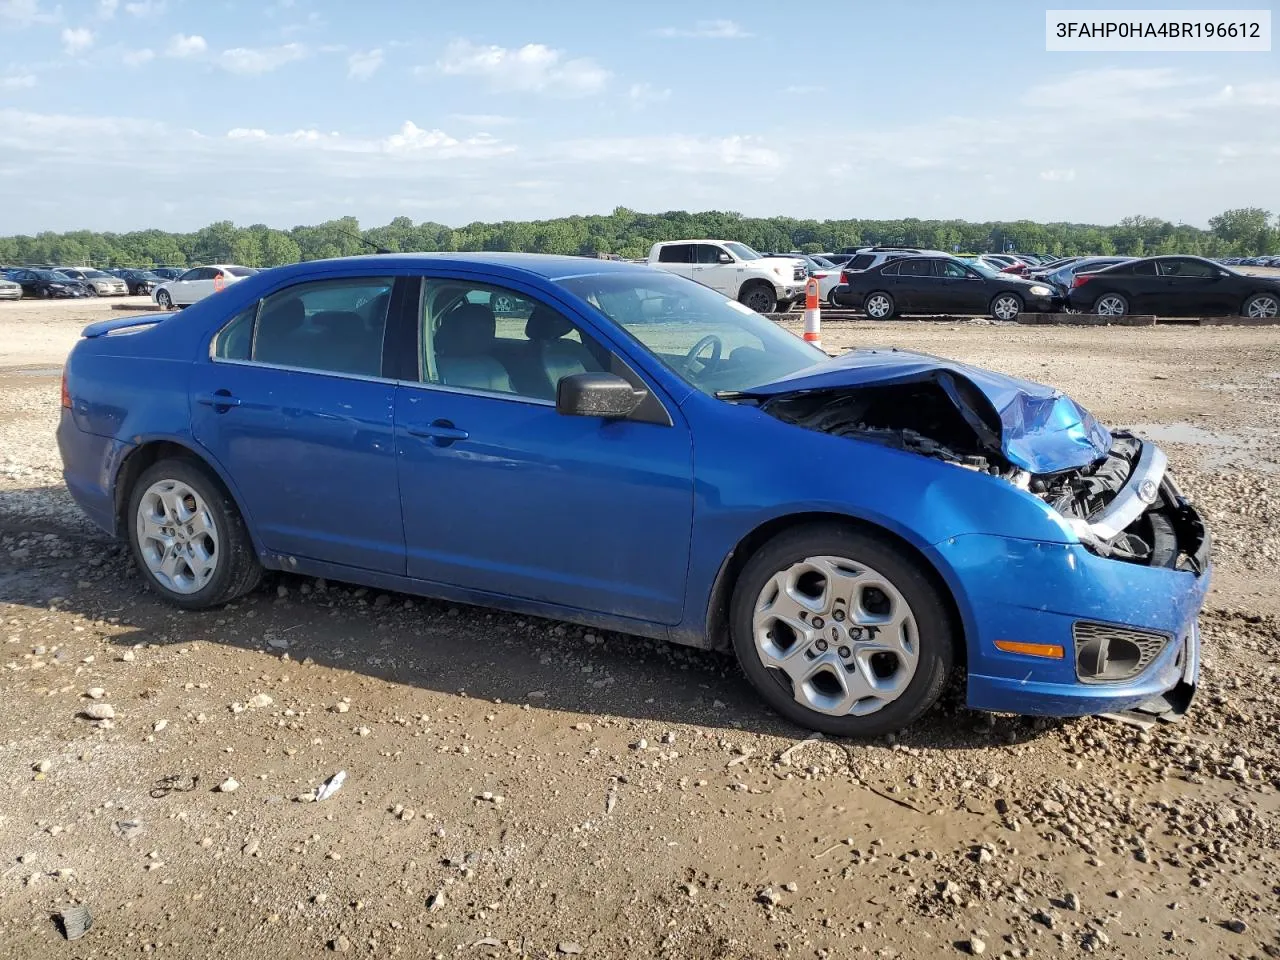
(1036, 592)
(14, 293)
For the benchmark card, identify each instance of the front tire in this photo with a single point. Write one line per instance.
(164, 300)
(841, 631)
(1006, 306)
(1262, 306)
(879, 305)
(1111, 305)
(188, 538)
(759, 297)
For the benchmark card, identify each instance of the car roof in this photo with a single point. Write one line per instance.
(547, 266)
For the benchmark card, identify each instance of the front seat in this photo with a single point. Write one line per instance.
(556, 356)
(464, 350)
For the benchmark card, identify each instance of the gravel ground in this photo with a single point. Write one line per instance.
(516, 787)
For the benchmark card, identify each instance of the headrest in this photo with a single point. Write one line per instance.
(288, 314)
(466, 331)
(546, 324)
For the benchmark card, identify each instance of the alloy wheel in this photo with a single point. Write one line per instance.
(878, 306)
(177, 537)
(1006, 307)
(1263, 306)
(760, 301)
(840, 634)
(1110, 306)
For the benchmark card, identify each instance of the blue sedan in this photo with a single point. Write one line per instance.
(609, 444)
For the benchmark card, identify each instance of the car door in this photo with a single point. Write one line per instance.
(1192, 287)
(1136, 282)
(181, 290)
(502, 494)
(962, 290)
(915, 286)
(291, 402)
(711, 269)
(677, 258)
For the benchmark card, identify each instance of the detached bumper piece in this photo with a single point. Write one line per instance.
(1172, 705)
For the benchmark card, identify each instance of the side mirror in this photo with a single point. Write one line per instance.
(1224, 273)
(604, 395)
(725, 258)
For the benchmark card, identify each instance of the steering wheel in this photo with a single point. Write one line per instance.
(692, 365)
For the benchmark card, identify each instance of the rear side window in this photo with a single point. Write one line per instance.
(860, 262)
(1146, 268)
(675, 253)
(915, 268)
(330, 326)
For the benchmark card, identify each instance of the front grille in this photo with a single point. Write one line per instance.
(1110, 654)
(800, 274)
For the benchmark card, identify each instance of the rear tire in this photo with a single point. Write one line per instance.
(860, 564)
(187, 536)
(759, 296)
(1111, 305)
(879, 305)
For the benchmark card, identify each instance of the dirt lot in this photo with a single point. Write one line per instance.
(519, 788)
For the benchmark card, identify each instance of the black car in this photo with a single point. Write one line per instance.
(141, 282)
(168, 273)
(46, 284)
(915, 284)
(1175, 287)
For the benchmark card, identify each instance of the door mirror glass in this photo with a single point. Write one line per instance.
(604, 395)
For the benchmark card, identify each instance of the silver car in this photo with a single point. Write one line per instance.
(102, 284)
(10, 290)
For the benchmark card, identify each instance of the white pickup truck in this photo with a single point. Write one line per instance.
(764, 284)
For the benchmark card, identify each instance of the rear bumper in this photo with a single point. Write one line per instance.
(90, 464)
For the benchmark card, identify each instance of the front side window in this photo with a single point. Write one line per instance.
(476, 336)
(954, 270)
(1186, 268)
(333, 326)
(714, 343)
(190, 275)
(708, 253)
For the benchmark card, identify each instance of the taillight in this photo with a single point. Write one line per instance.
(1080, 280)
(844, 277)
(66, 394)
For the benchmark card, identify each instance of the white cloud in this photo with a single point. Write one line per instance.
(18, 81)
(643, 94)
(182, 46)
(684, 153)
(24, 12)
(135, 58)
(483, 119)
(252, 61)
(1058, 176)
(145, 8)
(362, 65)
(76, 41)
(409, 140)
(107, 8)
(533, 68)
(707, 30)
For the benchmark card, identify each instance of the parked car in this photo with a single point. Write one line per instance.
(1175, 287)
(369, 419)
(942, 285)
(764, 284)
(46, 284)
(823, 270)
(1063, 278)
(9, 290)
(140, 282)
(98, 282)
(867, 257)
(168, 273)
(197, 283)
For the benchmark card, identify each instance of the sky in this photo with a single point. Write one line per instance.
(129, 114)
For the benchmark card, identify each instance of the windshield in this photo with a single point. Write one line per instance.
(822, 263)
(742, 251)
(714, 343)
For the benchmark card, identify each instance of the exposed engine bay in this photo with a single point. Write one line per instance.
(1123, 505)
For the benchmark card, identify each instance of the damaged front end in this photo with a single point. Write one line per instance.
(1113, 491)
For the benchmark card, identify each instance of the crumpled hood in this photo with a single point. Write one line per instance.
(1036, 427)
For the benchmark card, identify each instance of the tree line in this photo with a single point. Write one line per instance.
(1247, 231)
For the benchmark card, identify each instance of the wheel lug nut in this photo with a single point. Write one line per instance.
(838, 616)
(818, 623)
(822, 645)
(845, 653)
